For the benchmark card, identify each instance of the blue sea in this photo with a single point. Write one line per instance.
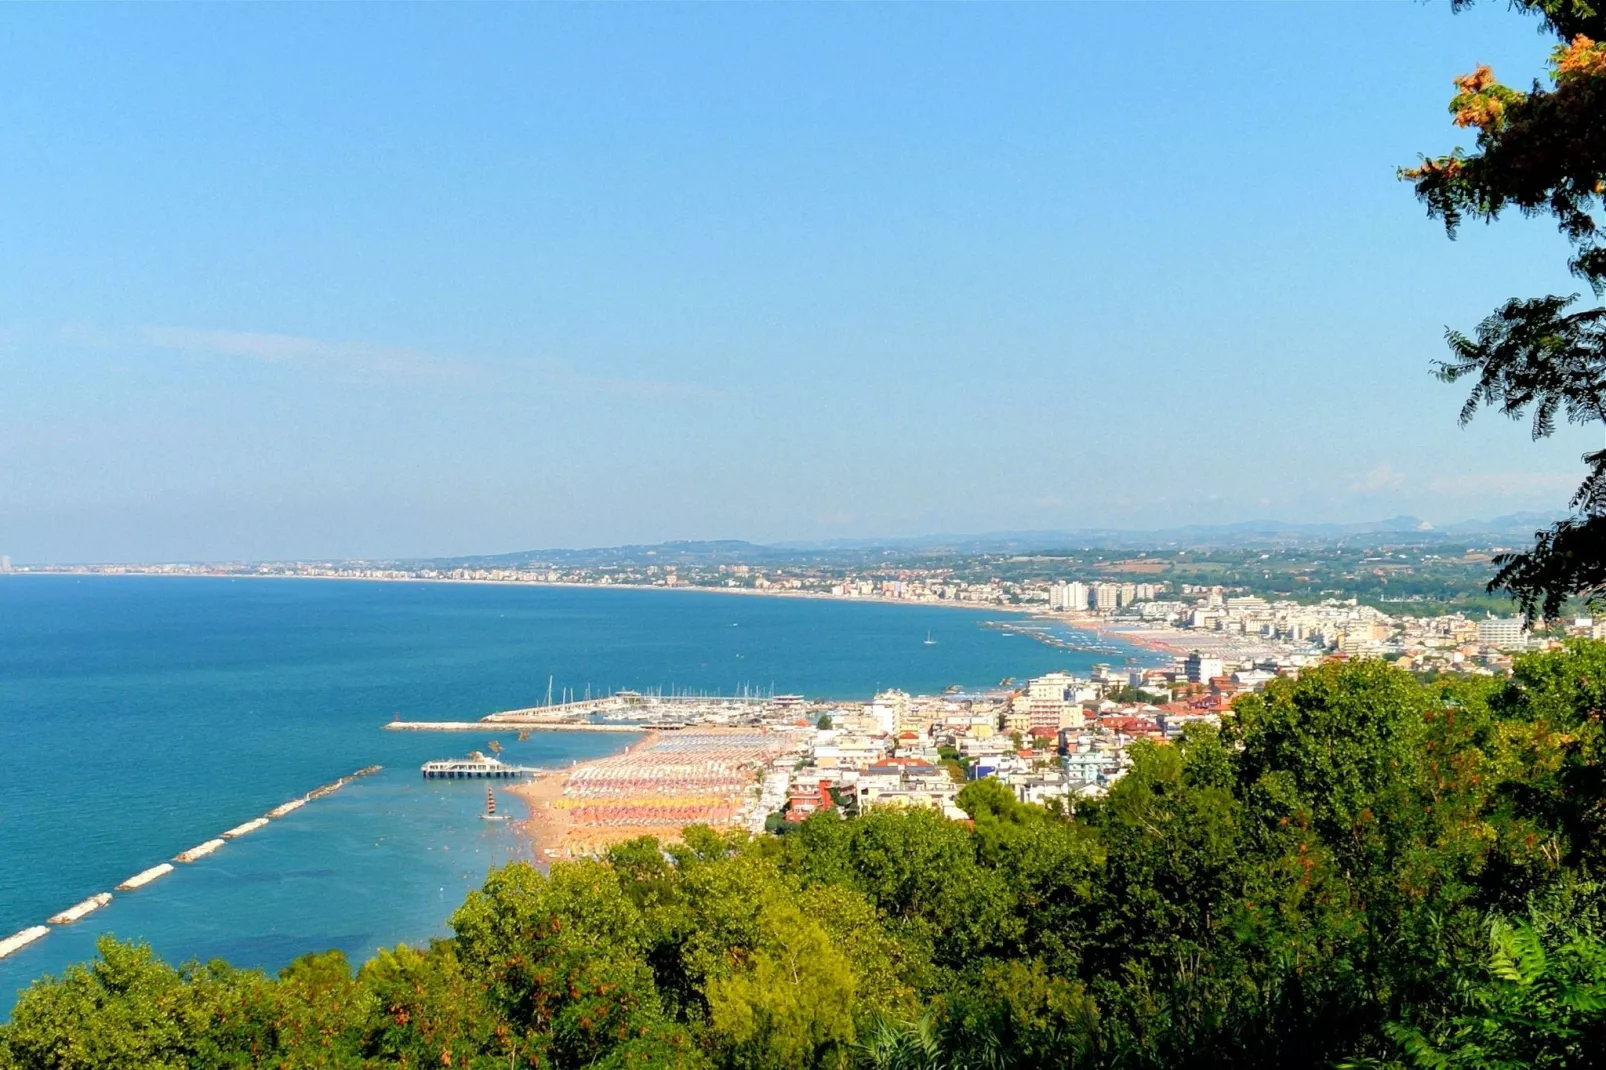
(140, 716)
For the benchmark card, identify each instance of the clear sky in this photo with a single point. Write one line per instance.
(352, 280)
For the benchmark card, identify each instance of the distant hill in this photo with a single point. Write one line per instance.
(1395, 531)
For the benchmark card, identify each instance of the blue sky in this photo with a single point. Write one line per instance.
(348, 280)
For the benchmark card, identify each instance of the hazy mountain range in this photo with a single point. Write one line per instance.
(1515, 528)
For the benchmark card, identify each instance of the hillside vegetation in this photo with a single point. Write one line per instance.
(1358, 869)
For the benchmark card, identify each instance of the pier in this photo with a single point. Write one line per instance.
(474, 767)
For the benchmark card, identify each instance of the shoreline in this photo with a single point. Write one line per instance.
(1039, 612)
(547, 825)
(818, 596)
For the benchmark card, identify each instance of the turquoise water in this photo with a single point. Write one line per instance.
(140, 716)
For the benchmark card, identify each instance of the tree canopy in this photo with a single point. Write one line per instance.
(1542, 152)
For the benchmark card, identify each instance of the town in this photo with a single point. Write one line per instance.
(1051, 740)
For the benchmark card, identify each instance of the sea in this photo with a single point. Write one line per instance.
(142, 715)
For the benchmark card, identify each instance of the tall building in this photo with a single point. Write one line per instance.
(1106, 597)
(1129, 593)
(1067, 596)
(890, 711)
(1502, 633)
(1201, 669)
(1047, 700)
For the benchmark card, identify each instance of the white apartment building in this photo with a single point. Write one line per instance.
(1502, 633)
(1202, 669)
(889, 711)
(1068, 596)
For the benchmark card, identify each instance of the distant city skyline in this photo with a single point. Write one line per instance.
(403, 282)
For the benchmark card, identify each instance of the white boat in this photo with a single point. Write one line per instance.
(490, 813)
(929, 640)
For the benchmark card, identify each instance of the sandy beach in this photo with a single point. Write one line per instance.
(548, 824)
(660, 784)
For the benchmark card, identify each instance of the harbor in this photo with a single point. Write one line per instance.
(623, 711)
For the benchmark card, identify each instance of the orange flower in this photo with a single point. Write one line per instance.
(1580, 58)
(1476, 82)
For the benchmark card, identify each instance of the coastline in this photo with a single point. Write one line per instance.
(547, 824)
(819, 596)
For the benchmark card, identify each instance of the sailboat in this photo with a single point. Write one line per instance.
(929, 640)
(490, 813)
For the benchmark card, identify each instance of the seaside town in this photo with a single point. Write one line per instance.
(765, 762)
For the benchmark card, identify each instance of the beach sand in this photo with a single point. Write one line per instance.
(551, 830)
(582, 810)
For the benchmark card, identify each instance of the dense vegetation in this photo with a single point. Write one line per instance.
(1357, 869)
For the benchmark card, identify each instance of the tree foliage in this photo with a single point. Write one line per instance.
(1541, 151)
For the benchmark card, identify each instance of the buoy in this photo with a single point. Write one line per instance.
(241, 830)
(141, 879)
(22, 939)
(198, 851)
(87, 907)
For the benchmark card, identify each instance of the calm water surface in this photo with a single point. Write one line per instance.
(142, 715)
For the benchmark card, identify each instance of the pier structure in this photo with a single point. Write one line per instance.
(475, 766)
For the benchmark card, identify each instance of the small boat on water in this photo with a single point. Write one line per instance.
(929, 640)
(490, 813)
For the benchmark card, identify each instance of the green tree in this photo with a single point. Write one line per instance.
(561, 958)
(1540, 151)
(1542, 1004)
(129, 1009)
